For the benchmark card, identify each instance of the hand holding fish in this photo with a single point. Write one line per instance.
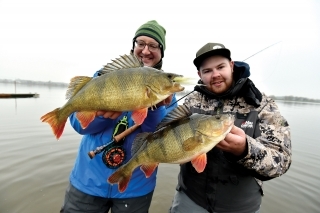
(115, 114)
(109, 114)
(235, 142)
(165, 102)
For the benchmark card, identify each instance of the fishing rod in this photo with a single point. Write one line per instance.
(114, 139)
(262, 50)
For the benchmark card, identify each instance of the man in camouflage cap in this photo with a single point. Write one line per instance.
(258, 147)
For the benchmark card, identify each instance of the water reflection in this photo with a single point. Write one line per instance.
(35, 166)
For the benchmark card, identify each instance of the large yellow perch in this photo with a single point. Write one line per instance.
(180, 138)
(124, 86)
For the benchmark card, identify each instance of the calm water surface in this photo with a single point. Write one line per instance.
(35, 166)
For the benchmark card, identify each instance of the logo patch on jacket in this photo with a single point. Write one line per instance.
(247, 124)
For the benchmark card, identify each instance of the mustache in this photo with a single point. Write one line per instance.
(216, 80)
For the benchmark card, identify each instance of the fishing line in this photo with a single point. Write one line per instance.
(179, 99)
(270, 73)
(262, 50)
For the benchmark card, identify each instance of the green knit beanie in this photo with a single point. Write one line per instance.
(155, 31)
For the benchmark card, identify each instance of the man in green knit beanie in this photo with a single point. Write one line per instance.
(88, 190)
(151, 35)
(153, 30)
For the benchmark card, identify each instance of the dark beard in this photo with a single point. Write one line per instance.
(244, 87)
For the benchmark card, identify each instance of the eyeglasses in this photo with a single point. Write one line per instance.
(152, 47)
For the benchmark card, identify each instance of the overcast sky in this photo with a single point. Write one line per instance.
(55, 40)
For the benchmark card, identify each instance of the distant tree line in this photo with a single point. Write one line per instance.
(282, 98)
(30, 82)
(294, 98)
(182, 93)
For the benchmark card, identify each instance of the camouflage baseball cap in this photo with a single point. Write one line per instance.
(211, 49)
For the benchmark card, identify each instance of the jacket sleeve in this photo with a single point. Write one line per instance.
(269, 155)
(97, 125)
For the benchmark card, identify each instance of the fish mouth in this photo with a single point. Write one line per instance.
(176, 83)
(177, 77)
(177, 87)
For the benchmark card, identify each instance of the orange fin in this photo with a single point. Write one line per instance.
(148, 169)
(120, 178)
(57, 126)
(138, 116)
(200, 162)
(85, 118)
